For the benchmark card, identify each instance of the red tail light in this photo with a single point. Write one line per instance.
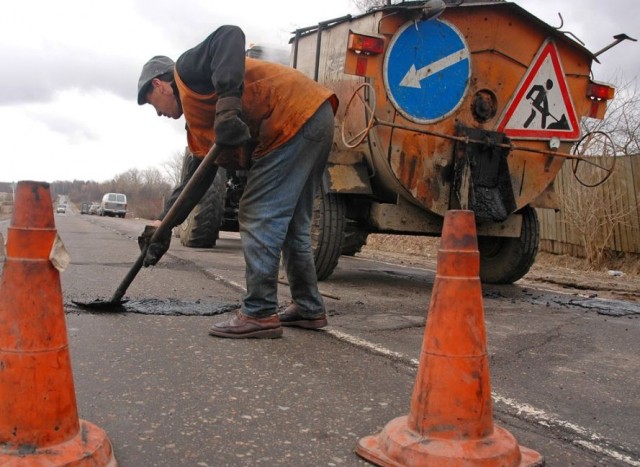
(600, 91)
(599, 94)
(368, 45)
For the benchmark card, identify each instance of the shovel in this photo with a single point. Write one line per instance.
(194, 190)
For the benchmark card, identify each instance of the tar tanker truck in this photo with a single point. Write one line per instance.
(472, 105)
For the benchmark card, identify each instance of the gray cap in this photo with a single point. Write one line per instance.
(158, 65)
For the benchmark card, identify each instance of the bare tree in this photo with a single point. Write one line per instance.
(146, 190)
(173, 167)
(366, 5)
(127, 181)
(594, 214)
(152, 177)
(596, 211)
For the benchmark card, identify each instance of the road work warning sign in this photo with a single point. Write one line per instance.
(541, 107)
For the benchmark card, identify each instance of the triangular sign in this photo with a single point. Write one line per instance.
(542, 108)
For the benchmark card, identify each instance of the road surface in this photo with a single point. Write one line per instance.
(564, 367)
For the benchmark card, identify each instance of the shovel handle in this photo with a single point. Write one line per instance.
(197, 179)
(200, 176)
(128, 279)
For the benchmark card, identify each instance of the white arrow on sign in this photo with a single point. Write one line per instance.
(413, 77)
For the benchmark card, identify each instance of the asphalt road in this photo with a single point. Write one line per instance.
(564, 368)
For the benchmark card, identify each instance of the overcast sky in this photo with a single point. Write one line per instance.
(70, 68)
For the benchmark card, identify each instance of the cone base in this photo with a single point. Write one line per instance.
(90, 447)
(396, 445)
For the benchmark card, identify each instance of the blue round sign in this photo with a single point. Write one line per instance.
(426, 70)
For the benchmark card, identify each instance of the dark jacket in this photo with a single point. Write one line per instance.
(276, 100)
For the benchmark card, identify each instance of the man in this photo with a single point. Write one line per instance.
(284, 122)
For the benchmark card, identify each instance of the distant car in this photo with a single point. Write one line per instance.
(85, 208)
(62, 208)
(93, 209)
(114, 205)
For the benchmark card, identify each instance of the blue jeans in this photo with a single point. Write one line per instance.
(275, 217)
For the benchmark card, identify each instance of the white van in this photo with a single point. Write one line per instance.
(113, 204)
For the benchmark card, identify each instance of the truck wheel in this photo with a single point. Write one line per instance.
(327, 232)
(354, 239)
(504, 260)
(201, 228)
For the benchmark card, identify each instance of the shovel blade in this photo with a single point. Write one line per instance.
(102, 305)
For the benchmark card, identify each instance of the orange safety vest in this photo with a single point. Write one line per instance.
(277, 101)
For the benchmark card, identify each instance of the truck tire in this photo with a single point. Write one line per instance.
(354, 239)
(327, 232)
(504, 260)
(201, 228)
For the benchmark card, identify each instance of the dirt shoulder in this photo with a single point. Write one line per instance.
(617, 280)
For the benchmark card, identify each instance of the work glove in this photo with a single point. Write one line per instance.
(229, 128)
(233, 158)
(154, 251)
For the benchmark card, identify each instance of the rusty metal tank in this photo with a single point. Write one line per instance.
(444, 105)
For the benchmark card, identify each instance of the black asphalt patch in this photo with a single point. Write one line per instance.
(167, 307)
(608, 307)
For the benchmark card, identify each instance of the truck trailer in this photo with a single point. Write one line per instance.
(443, 105)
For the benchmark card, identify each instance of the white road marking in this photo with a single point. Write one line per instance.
(608, 452)
(593, 442)
(240, 288)
(531, 413)
(371, 347)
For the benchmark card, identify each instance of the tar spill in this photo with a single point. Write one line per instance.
(169, 307)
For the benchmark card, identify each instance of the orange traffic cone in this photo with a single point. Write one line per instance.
(39, 422)
(450, 422)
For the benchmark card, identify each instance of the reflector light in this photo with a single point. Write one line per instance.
(600, 91)
(368, 45)
(361, 66)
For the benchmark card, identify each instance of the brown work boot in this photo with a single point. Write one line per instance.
(291, 317)
(241, 326)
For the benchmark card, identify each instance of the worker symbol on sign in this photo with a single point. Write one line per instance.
(540, 103)
(541, 107)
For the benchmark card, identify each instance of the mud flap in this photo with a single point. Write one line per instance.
(481, 175)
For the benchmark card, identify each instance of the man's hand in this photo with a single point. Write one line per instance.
(232, 158)
(229, 128)
(154, 251)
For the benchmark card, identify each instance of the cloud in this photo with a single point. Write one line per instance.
(43, 73)
(595, 23)
(75, 130)
(80, 134)
(70, 70)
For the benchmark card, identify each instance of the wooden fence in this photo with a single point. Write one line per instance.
(617, 201)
